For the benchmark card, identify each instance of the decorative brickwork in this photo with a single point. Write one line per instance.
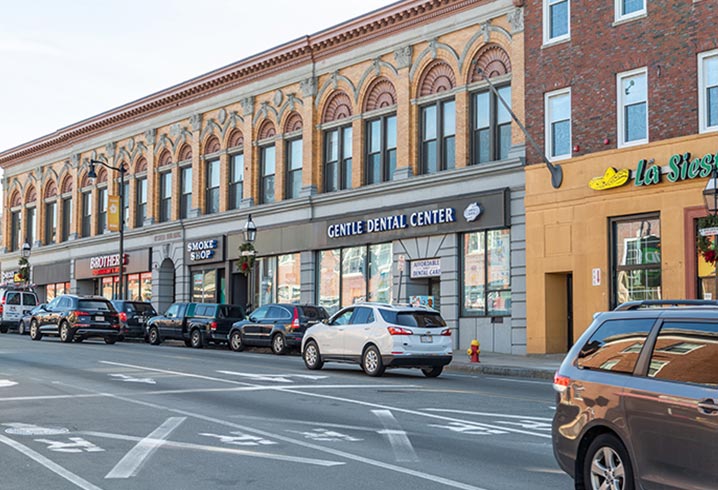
(266, 130)
(30, 195)
(294, 123)
(141, 165)
(50, 189)
(236, 138)
(66, 184)
(165, 158)
(492, 60)
(438, 77)
(185, 153)
(381, 94)
(212, 145)
(15, 199)
(338, 107)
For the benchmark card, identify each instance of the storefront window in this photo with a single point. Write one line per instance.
(354, 277)
(109, 286)
(487, 273)
(380, 278)
(54, 290)
(329, 279)
(139, 287)
(204, 285)
(288, 278)
(266, 280)
(636, 250)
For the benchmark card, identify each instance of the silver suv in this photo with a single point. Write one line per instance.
(637, 402)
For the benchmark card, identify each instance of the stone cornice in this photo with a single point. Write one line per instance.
(381, 23)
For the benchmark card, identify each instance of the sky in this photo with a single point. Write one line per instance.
(65, 61)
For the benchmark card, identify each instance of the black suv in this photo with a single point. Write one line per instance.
(279, 326)
(133, 316)
(76, 317)
(196, 323)
(637, 403)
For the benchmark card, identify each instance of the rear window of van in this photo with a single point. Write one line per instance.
(426, 319)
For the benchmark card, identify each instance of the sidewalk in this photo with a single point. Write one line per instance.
(540, 366)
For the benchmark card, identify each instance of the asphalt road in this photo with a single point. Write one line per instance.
(134, 416)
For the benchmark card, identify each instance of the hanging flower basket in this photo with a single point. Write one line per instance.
(23, 269)
(705, 245)
(247, 256)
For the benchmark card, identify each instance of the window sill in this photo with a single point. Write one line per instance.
(550, 43)
(631, 18)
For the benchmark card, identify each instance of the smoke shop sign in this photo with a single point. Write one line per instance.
(680, 167)
(207, 250)
(392, 222)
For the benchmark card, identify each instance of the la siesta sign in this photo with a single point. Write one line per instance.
(680, 167)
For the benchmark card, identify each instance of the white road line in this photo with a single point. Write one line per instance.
(50, 465)
(6, 383)
(177, 373)
(414, 412)
(223, 450)
(131, 463)
(343, 454)
(488, 414)
(399, 440)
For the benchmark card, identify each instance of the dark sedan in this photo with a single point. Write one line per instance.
(133, 316)
(279, 326)
(73, 317)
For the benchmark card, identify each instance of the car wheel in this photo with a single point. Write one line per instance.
(432, 372)
(196, 339)
(235, 341)
(607, 465)
(35, 333)
(110, 340)
(279, 344)
(21, 328)
(371, 361)
(154, 336)
(65, 333)
(311, 356)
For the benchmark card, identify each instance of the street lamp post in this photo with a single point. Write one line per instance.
(710, 196)
(25, 263)
(250, 235)
(122, 170)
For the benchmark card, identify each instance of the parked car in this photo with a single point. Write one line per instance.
(379, 336)
(133, 316)
(197, 324)
(15, 302)
(279, 326)
(637, 399)
(24, 326)
(70, 316)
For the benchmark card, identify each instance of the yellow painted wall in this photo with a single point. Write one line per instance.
(567, 231)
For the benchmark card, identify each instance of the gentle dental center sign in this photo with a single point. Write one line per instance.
(392, 222)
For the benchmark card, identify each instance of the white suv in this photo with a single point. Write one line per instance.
(14, 304)
(379, 336)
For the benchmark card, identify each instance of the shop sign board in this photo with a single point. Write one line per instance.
(425, 268)
(679, 167)
(204, 251)
(109, 265)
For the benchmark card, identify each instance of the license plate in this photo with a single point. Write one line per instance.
(99, 318)
(426, 339)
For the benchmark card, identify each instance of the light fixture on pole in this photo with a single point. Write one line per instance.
(24, 263)
(250, 230)
(26, 250)
(250, 235)
(122, 170)
(710, 196)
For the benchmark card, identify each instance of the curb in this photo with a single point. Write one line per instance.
(511, 371)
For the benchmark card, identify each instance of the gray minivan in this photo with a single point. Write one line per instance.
(637, 399)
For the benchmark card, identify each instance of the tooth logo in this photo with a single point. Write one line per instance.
(472, 211)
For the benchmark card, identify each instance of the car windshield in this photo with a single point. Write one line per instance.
(228, 311)
(141, 308)
(314, 313)
(94, 304)
(427, 319)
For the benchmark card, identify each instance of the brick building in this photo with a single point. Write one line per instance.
(621, 95)
(373, 158)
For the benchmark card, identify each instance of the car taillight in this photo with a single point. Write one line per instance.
(295, 320)
(560, 382)
(213, 326)
(446, 332)
(123, 316)
(80, 313)
(399, 331)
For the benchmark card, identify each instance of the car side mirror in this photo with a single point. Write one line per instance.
(252, 318)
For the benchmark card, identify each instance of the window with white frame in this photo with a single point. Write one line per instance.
(632, 101)
(556, 25)
(628, 9)
(558, 124)
(708, 91)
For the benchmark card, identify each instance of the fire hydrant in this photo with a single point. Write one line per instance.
(474, 351)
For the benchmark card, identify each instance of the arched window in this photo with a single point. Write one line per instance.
(236, 168)
(50, 213)
(66, 199)
(294, 155)
(380, 132)
(490, 121)
(211, 177)
(267, 162)
(337, 142)
(438, 119)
